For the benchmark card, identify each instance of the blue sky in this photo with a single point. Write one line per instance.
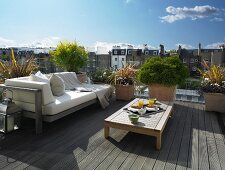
(105, 22)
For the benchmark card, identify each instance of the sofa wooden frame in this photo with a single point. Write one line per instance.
(37, 115)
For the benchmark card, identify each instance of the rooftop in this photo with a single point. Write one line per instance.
(192, 139)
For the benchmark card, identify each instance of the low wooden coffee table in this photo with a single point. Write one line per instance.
(152, 124)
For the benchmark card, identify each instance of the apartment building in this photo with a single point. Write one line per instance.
(194, 57)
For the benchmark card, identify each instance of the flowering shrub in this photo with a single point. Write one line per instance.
(101, 75)
(213, 79)
(125, 76)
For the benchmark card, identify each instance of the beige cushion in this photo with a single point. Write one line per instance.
(57, 85)
(70, 80)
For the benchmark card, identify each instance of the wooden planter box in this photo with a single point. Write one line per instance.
(82, 77)
(124, 92)
(161, 92)
(215, 102)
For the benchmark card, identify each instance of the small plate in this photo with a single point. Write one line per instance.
(152, 109)
(132, 109)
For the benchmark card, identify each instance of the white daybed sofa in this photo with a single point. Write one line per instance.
(37, 100)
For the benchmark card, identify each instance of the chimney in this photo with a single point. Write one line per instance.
(162, 51)
(199, 49)
(179, 49)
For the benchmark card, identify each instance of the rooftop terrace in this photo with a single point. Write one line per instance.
(192, 139)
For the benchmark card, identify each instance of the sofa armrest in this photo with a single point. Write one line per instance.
(38, 104)
(27, 95)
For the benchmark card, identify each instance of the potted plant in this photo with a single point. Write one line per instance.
(124, 81)
(213, 87)
(162, 75)
(70, 57)
(13, 69)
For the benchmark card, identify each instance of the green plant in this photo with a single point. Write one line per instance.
(167, 71)
(12, 69)
(125, 76)
(213, 79)
(190, 84)
(101, 75)
(69, 56)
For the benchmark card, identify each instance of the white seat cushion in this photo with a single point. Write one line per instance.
(68, 100)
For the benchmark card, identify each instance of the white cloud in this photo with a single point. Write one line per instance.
(46, 42)
(214, 45)
(197, 12)
(105, 47)
(4, 43)
(186, 46)
(42, 43)
(216, 19)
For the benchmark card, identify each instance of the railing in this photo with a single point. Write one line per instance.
(183, 93)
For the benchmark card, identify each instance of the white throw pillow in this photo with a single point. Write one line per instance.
(57, 85)
(37, 78)
(39, 74)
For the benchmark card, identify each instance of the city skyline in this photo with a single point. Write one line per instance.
(104, 23)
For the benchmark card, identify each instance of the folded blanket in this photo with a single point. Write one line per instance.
(103, 92)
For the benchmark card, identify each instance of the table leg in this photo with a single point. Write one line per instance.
(158, 141)
(106, 131)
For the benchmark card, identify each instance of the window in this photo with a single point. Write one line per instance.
(115, 59)
(184, 60)
(122, 59)
(192, 60)
(115, 51)
(146, 52)
(154, 52)
(196, 60)
(115, 66)
(129, 52)
(194, 69)
(122, 52)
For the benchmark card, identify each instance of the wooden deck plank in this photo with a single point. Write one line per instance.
(175, 147)
(123, 155)
(194, 143)
(203, 151)
(214, 162)
(146, 148)
(219, 139)
(121, 145)
(183, 153)
(162, 157)
(152, 155)
(98, 155)
(127, 164)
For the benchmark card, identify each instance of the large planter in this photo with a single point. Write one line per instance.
(215, 102)
(82, 77)
(161, 92)
(124, 92)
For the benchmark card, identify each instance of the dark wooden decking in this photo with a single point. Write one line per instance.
(192, 140)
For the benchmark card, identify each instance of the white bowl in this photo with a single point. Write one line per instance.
(142, 111)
